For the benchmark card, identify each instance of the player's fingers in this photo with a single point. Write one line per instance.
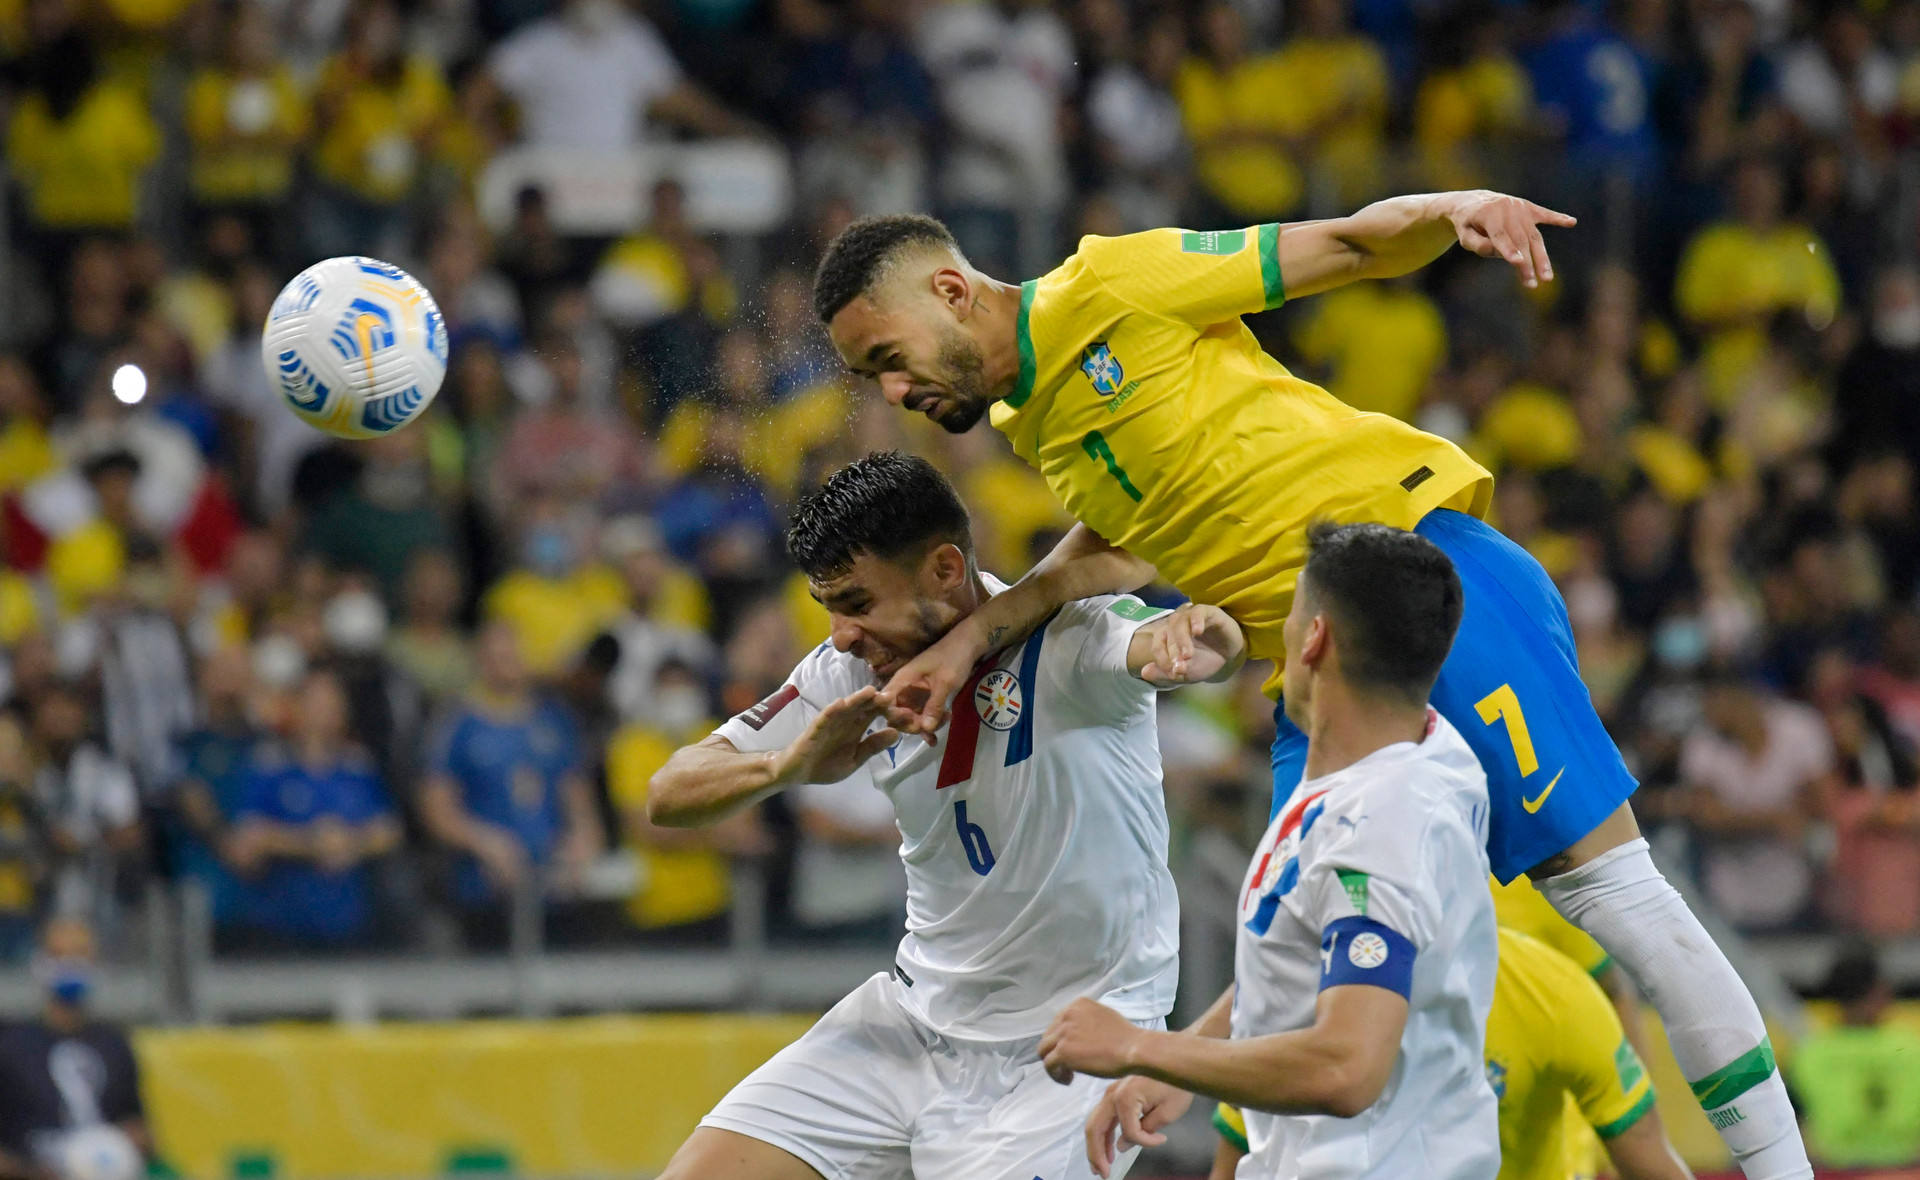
(1511, 250)
(1474, 240)
(1101, 1125)
(1154, 674)
(1552, 216)
(878, 743)
(1537, 250)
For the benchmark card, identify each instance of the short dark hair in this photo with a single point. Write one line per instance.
(1395, 598)
(887, 504)
(860, 252)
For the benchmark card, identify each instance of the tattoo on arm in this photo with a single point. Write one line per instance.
(996, 636)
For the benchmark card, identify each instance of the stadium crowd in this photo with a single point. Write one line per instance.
(364, 694)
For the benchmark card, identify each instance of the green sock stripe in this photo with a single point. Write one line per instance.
(1735, 1078)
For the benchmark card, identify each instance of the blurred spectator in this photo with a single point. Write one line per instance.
(24, 850)
(685, 890)
(377, 110)
(1234, 107)
(386, 514)
(592, 74)
(311, 820)
(269, 442)
(1839, 82)
(1876, 884)
(557, 598)
(532, 254)
(1880, 383)
(565, 446)
(1002, 73)
(658, 627)
(247, 119)
(473, 297)
(26, 450)
(1754, 771)
(1738, 273)
(386, 711)
(89, 799)
(1475, 103)
(1859, 1083)
(145, 679)
(1134, 116)
(504, 791)
(848, 882)
(1593, 86)
(64, 1074)
(79, 141)
(214, 764)
(1381, 343)
(1336, 85)
(1893, 682)
(429, 645)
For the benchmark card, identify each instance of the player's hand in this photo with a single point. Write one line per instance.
(919, 695)
(1193, 644)
(1136, 1108)
(837, 743)
(1088, 1037)
(1494, 225)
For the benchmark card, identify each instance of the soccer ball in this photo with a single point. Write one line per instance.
(355, 346)
(100, 1152)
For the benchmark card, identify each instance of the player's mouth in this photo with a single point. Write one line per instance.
(927, 403)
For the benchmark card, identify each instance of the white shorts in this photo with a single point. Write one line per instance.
(870, 1093)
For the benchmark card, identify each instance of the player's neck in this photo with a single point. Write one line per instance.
(998, 331)
(1344, 726)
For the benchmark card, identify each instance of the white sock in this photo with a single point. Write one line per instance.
(1712, 1022)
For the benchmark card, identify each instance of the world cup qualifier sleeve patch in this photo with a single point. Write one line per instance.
(757, 717)
(1361, 950)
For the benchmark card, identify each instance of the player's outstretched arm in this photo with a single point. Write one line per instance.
(1081, 565)
(1188, 645)
(1402, 234)
(706, 782)
(1339, 1065)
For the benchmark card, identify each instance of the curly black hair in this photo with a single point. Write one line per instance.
(887, 504)
(1395, 598)
(860, 252)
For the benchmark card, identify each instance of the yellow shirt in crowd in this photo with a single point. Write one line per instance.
(371, 145)
(83, 172)
(1157, 419)
(1336, 91)
(244, 131)
(1485, 98)
(772, 442)
(1732, 277)
(1383, 343)
(1253, 179)
(678, 885)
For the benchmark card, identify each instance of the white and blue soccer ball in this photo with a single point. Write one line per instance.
(355, 346)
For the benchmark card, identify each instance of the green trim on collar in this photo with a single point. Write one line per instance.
(1023, 388)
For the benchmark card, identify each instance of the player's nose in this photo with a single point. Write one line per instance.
(844, 633)
(895, 387)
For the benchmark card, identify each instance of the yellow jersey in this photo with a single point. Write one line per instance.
(1553, 1040)
(1158, 420)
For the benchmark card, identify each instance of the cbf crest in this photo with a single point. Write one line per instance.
(1102, 368)
(998, 699)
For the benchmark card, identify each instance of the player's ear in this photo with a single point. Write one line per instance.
(947, 566)
(953, 287)
(1316, 643)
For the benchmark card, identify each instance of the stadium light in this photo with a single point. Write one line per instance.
(129, 384)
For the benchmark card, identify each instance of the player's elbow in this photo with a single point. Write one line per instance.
(1353, 1078)
(668, 805)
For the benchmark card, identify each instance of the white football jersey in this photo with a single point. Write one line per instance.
(1034, 831)
(1377, 874)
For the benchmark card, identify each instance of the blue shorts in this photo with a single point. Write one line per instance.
(1512, 687)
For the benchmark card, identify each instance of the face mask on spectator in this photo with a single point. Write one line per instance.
(354, 622)
(549, 550)
(1681, 643)
(677, 710)
(69, 981)
(1897, 327)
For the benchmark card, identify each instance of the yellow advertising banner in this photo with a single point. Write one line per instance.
(594, 1096)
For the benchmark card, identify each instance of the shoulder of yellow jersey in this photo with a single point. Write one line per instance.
(1518, 906)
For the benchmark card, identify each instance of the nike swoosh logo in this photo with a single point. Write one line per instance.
(1533, 805)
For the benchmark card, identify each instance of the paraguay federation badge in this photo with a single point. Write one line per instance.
(998, 699)
(1102, 368)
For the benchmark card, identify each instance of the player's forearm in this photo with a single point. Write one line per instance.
(1309, 1071)
(1384, 240)
(702, 785)
(1082, 565)
(1217, 1020)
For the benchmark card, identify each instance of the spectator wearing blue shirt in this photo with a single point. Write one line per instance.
(215, 767)
(310, 821)
(505, 790)
(1597, 87)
